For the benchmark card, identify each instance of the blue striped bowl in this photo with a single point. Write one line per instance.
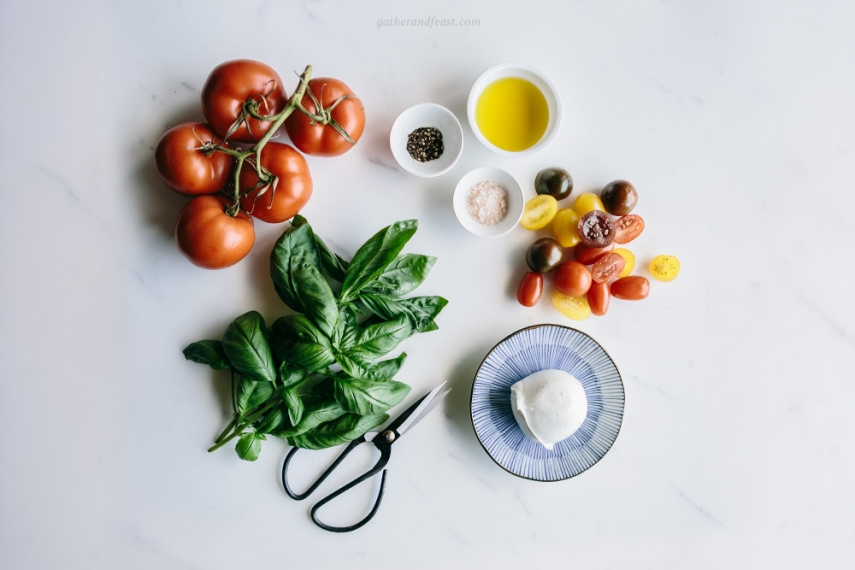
(538, 348)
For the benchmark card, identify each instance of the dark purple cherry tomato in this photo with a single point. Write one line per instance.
(555, 182)
(598, 298)
(590, 255)
(628, 228)
(631, 288)
(531, 288)
(544, 255)
(596, 229)
(619, 197)
(572, 278)
(607, 268)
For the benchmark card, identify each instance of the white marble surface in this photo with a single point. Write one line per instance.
(734, 120)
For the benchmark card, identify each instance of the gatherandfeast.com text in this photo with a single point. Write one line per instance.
(431, 22)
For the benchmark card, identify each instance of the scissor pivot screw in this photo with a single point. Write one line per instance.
(389, 435)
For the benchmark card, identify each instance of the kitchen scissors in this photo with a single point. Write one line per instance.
(383, 441)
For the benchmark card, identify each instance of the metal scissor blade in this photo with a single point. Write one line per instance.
(419, 410)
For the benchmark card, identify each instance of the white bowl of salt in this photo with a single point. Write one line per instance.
(488, 202)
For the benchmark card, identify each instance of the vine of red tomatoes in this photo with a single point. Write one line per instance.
(244, 101)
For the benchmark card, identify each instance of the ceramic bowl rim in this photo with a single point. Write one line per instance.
(438, 109)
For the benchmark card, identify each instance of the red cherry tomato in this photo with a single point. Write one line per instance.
(184, 167)
(590, 255)
(572, 278)
(628, 228)
(531, 288)
(598, 298)
(607, 267)
(277, 202)
(324, 140)
(632, 288)
(230, 85)
(211, 238)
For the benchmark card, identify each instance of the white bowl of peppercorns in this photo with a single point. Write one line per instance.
(426, 140)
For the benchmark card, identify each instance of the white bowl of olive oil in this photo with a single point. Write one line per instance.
(514, 109)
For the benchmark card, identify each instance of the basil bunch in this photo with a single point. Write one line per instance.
(315, 377)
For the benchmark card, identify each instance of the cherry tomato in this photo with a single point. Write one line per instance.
(572, 278)
(619, 197)
(606, 269)
(628, 228)
(598, 298)
(184, 167)
(230, 85)
(632, 288)
(596, 229)
(344, 107)
(538, 212)
(279, 201)
(629, 261)
(211, 238)
(576, 308)
(565, 226)
(665, 268)
(587, 202)
(531, 288)
(554, 181)
(590, 255)
(544, 255)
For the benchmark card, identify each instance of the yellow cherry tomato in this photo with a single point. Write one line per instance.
(538, 212)
(565, 226)
(586, 202)
(629, 258)
(664, 267)
(576, 308)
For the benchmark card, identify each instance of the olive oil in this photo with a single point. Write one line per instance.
(512, 113)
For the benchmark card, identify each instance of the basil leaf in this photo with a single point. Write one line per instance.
(375, 255)
(402, 276)
(271, 421)
(332, 265)
(208, 352)
(246, 347)
(376, 340)
(297, 341)
(315, 413)
(421, 311)
(249, 446)
(290, 374)
(387, 369)
(355, 367)
(295, 405)
(295, 269)
(366, 397)
(342, 430)
(252, 393)
(347, 328)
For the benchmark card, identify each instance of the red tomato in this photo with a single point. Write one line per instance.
(589, 255)
(628, 228)
(323, 140)
(280, 200)
(572, 278)
(230, 85)
(185, 168)
(211, 238)
(607, 267)
(598, 298)
(531, 288)
(631, 288)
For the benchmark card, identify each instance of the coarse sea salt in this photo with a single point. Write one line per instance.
(487, 203)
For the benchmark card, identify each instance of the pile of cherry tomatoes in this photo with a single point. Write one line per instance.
(244, 104)
(593, 227)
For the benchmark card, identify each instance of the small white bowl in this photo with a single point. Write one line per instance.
(515, 201)
(540, 81)
(427, 115)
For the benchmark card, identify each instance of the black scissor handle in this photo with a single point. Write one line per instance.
(300, 496)
(355, 482)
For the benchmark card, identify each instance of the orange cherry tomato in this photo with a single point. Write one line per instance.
(531, 288)
(598, 298)
(572, 278)
(590, 255)
(632, 288)
(628, 228)
(608, 267)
